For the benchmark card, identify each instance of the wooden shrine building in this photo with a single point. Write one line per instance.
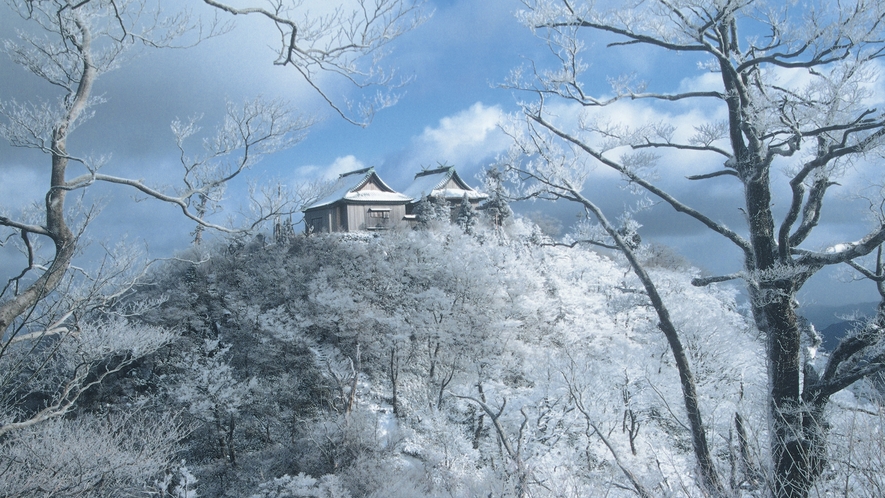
(363, 201)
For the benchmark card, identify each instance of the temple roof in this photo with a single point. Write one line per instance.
(359, 186)
(443, 181)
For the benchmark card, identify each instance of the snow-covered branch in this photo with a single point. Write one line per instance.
(348, 42)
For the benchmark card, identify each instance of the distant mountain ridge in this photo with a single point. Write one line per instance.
(830, 321)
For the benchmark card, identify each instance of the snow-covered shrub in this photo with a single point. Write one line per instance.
(115, 454)
(302, 486)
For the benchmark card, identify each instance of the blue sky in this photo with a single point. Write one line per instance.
(447, 114)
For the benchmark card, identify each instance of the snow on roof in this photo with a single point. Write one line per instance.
(443, 181)
(349, 185)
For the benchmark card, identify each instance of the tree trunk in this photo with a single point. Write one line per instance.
(393, 373)
(62, 237)
(56, 225)
(790, 446)
(710, 480)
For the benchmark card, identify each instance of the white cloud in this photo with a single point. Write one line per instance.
(628, 116)
(463, 139)
(706, 82)
(341, 164)
(19, 187)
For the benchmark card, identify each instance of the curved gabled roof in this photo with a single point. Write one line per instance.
(443, 181)
(352, 187)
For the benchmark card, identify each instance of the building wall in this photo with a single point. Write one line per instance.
(451, 184)
(353, 217)
(326, 219)
(373, 217)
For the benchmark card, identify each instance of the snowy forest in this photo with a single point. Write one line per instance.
(412, 363)
(472, 353)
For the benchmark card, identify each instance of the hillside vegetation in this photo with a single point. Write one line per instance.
(434, 363)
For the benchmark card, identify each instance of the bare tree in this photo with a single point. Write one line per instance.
(810, 127)
(70, 45)
(248, 133)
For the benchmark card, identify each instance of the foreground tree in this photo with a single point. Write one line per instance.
(59, 331)
(794, 87)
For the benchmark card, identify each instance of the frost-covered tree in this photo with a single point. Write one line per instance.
(118, 454)
(432, 210)
(796, 104)
(214, 396)
(466, 217)
(496, 208)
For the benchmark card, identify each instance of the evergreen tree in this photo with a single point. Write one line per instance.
(496, 207)
(431, 210)
(466, 216)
